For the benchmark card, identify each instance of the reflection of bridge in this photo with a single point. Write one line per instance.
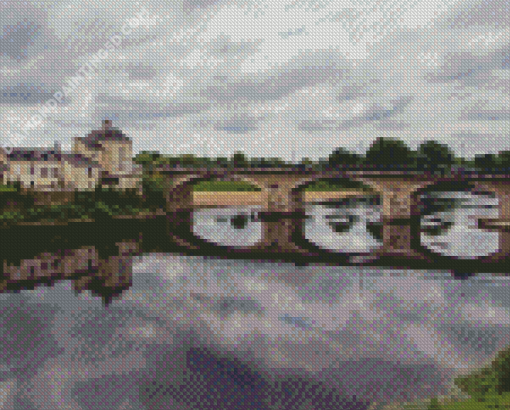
(282, 203)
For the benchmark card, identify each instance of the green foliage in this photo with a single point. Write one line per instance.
(486, 161)
(11, 217)
(153, 191)
(336, 185)
(225, 186)
(147, 157)
(220, 162)
(390, 151)
(488, 402)
(343, 157)
(504, 158)
(434, 405)
(239, 160)
(433, 155)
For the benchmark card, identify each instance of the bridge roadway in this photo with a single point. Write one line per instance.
(282, 192)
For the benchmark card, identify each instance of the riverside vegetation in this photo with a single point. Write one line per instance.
(486, 388)
(106, 203)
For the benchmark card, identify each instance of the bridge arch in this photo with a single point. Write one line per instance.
(298, 190)
(179, 196)
(343, 227)
(181, 206)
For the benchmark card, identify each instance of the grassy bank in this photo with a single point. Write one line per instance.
(225, 186)
(241, 186)
(487, 402)
(486, 388)
(107, 204)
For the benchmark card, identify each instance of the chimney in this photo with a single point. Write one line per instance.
(107, 124)
(56, 147)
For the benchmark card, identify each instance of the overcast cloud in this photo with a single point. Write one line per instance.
(271, 78)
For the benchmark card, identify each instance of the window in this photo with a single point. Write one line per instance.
(44, 172)
(90, 172)
(32, 170)
(55, 172)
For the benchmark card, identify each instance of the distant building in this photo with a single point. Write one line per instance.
(103, 157)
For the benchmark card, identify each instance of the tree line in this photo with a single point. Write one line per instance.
(387, 153)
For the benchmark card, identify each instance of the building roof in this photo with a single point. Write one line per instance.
(33, 154)
(107, 133)
(43, 154)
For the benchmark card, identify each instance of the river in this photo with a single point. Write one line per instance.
(193, 332)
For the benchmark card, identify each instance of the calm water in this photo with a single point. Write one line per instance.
(198, 333)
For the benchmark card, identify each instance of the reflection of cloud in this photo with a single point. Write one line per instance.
(8, 391)
(201, 315)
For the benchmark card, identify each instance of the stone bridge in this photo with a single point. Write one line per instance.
(282, 192)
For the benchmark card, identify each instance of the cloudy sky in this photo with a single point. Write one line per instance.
(287, 78)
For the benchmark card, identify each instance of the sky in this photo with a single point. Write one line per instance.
(286, 78)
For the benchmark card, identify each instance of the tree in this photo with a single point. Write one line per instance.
(434, 155)
(239, 160)
(341, 156)
(147, 157)
(434, 405)
(388, 152)
(504, 159)
(277, 162)
(486, 161)
(221, 162)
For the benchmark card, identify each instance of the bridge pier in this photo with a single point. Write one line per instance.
(401, 228)
(400, 238)
(501, 189)
(280, 236)
(504, 247)
(281, 199)
(180, 228)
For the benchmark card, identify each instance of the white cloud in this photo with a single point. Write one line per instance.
(279, 73)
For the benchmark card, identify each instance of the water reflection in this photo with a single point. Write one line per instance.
(245, 334)
(449, 224)
(343, 226)
(234, 226)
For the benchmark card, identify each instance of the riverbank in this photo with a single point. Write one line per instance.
(200, 200)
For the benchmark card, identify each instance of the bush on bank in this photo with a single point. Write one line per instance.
(488, 388)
